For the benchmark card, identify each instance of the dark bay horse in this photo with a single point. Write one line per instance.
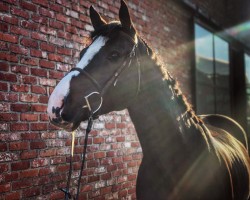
(185, 156)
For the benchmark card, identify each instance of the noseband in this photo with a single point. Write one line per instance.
(100, 91)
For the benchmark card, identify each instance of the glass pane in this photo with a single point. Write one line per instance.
(247, 69)
(247, 74)
(204, 70)
(222, 71)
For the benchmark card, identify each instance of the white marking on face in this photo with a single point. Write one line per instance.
(93, 49)
(63, 87)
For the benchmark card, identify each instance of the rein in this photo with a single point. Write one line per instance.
(93, 113)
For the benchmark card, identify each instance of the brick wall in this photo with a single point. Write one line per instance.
(40, 41)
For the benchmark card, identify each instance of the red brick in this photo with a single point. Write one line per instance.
(8, 57)
(62, 18)
(55, 57)
(3, 147)
(64, 51)
(19, 50)
(19, 127)
(29, 43)
(29, 173)
(56, 74)
(46, 12)
(16, 146)
(29, 80)
(31, 192)
(44, 3)
(48, 153)
(47, 47)
(19, 88)
(98, 140)
(30, 25)
(44, 171)
(38, 72)
(28, 155)
(8, 77)
(20, 12)
(40, 162)
(39, 19)
(47, 64)
(99, 155)
(28, 6)
(4, 86)
(20, 69)
(4, 168)
(43, 99)
(21, 165)
(29, 61)
(29, 117)
(38, 89)
(10, 19)
(38, 36)
(28, 98)
(39, 108)
(110, 125)
(4, 66)
(4, 187)
(8, 117)
(36, 53)
(10, 177)
(38, 126)
(13, 195)
(37, 144)
(22, 184)
(57, 25)
(30, 135)
(4, 7)
(8, 38)
(20, 107)
(19, 31)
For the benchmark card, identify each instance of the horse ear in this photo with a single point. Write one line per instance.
(96, 20)
(125, 17)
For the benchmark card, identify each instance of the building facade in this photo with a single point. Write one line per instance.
(204, 44)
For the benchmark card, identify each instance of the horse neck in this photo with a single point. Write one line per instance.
(161, 115)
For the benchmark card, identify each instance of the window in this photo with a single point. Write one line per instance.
(247, 75)
(212, 83)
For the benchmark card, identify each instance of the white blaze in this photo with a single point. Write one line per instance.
(62, 89)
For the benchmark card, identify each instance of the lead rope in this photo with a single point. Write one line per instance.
(66, 191)
(88, 129)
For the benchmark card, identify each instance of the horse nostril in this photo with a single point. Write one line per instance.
(56, 111)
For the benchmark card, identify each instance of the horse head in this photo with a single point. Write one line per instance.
(105, 79)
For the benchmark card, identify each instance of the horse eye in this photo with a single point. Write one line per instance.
(114, 55)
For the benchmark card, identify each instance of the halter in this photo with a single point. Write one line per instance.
(100, 91)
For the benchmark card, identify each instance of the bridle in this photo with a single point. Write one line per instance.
(100, 91)
(93, 112)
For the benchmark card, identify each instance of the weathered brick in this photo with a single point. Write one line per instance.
(16, 146)
(4, 187)
(29, 117)
(37, 145)
(28, 155)
(8, 37)
(21, 165)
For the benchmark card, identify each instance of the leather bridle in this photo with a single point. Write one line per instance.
(100, 91)
(93, 112)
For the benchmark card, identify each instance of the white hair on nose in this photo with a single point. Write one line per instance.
(62, 89)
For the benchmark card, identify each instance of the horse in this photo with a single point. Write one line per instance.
(185, 156)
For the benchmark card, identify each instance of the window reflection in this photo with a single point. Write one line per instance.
(212, 73)
(247, 75)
